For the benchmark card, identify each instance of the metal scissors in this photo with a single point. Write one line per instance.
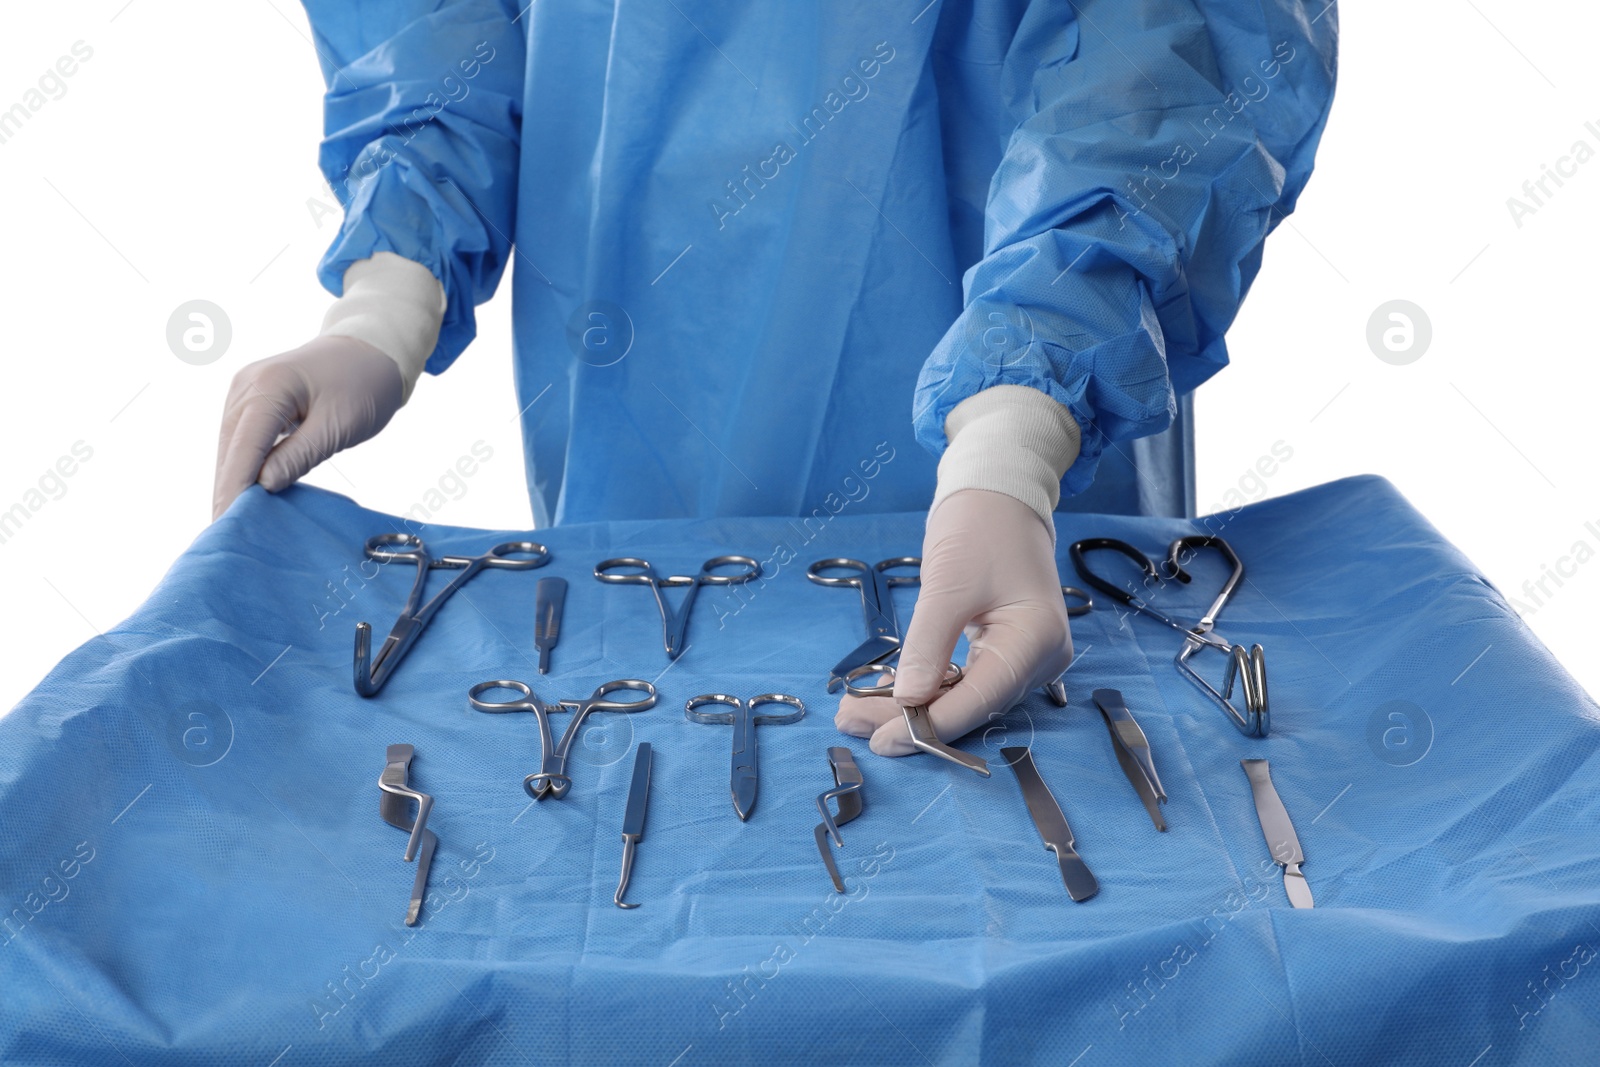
(674, 624)
(371, 672)
(875, 582)
(923, 735)
(745, 780)
(551, 778)
(1248, 668)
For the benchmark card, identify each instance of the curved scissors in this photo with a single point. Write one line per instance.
(371, 672)
(745, 779)
(920, 724)
(675, 624)
(1248, 668)
(874, 582)
(551, 778)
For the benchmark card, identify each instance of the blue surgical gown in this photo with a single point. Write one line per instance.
(763, 249)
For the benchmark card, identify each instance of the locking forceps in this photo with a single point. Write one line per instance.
(552, 779)
(1249, 669)
(630, 570)
(371, 672)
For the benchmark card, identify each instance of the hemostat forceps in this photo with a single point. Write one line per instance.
(917, 720)
(395, 807)
(551, 779)
(371, 672)
(1249, 668)
(675, 624)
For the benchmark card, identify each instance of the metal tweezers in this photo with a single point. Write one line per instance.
(847, 791)
(395, 807)
(1133, 752)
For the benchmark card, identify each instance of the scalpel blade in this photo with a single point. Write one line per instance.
(1051, 824)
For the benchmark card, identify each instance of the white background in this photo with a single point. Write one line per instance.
(180, 164)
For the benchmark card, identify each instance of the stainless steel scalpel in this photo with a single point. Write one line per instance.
(633, 819)
(1279, 831)
(549, 600)
(1051, 823)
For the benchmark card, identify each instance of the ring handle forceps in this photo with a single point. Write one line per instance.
(1249, 669)
(918, 721)
(875, 582)
(1057, 690)
(745, 780)
(846, 791)
(552, 779)
(371, 672)
(395, 807)
(675, 624)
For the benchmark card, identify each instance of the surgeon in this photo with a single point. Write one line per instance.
(751, 239)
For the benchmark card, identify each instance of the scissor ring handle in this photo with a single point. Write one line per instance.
(752, 570)
(884, 566)
(782, 717)
(501, 555)
(711, 718)
(1093, 544)
(527, 703)
(814, 572)
(952, 675)
(643, 576)
(635, 685)
(1083, 608)
(381, 547)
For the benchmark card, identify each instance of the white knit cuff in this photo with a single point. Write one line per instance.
(1009, 439)
(395, 306)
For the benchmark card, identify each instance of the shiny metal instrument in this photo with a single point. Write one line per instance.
(552, 779)
(1057, 690)
(371, 672)
(395, 806)
(549, 603)
(875, 582)
(1051, 824)
(846, 792)
(1279, 831)
(629, 570)
(633, 819)
(1249, 669)
(918, 721)
(1133, 752)
(745, 780)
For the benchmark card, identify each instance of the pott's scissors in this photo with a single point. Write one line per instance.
(674, 624)
(551, 778)
(745, 780)
(1249, 668)
(918, 721)
(874, 581)
(371, 672)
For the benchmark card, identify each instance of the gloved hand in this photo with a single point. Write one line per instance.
(988, 566)
(327, 395)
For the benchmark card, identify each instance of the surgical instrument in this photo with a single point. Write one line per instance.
(371, 672)
(1057, 690)
(1133, 752)
(1279, 831)
(875, 582)
(847, 782)
(633, 819)
(552, 778)
(1249, 668)
(918, 722)
(1052, 825)
(395, 807)
(675, 624)
(745, 779)
(549, 601)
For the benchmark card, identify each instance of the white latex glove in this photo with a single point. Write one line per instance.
(988, 567)
(326, 396)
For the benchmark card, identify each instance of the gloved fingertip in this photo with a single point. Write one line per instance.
(891, 739)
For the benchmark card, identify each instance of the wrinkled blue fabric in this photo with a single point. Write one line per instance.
(194, 870)
(740, 231)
